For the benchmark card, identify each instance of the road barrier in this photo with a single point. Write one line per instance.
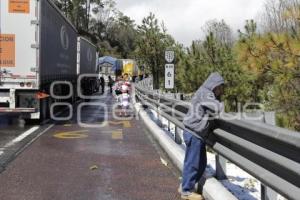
(270, 154)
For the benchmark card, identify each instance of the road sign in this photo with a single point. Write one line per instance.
(169, 76)
(169, 56)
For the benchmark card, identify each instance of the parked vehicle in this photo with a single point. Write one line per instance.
(129, 67)
(87, 66)
(38, 46)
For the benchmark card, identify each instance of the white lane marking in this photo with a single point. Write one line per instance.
(44, 131)
(22, 136)
(35, 138)
(25, 134)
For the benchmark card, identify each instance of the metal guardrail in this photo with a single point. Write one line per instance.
(270, 154)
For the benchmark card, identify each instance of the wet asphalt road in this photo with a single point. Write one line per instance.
(10, 130)
(118, 160)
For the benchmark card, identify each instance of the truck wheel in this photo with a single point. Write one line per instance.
(44, 110)
(50, 101)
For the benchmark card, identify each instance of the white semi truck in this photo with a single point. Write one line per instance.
(38, 46)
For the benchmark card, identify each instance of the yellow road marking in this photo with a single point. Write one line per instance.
(117, 135)
(103, 124)
(126, 124)
(71, 135)
(67, 125)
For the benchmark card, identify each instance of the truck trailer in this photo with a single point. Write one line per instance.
(87, 68)
(38, 46)
(129, 67)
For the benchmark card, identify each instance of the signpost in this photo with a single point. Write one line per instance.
(169, 76)
(169, 69)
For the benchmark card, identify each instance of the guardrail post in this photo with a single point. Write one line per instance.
(159, 117)
(267, 193)
(220, 167)
(177, 137)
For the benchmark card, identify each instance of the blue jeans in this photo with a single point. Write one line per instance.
(195, 161)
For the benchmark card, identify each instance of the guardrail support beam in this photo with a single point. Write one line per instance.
(267, 193)
(220, 167)
(177, 137)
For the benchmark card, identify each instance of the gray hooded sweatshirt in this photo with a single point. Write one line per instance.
(204, 104)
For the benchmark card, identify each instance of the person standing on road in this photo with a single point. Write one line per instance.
(117, 85)
(125, 98)
(102, 83)
(205, 103)
(110, 83)
(126, 77)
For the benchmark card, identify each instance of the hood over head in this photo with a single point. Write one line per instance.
(214, 80)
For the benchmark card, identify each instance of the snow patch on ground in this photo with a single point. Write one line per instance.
(239, 183)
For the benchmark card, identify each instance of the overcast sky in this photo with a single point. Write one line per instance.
(184, 18)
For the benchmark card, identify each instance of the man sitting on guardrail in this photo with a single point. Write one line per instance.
(205, 102)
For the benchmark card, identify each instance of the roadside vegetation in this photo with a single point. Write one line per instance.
(260, 63)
